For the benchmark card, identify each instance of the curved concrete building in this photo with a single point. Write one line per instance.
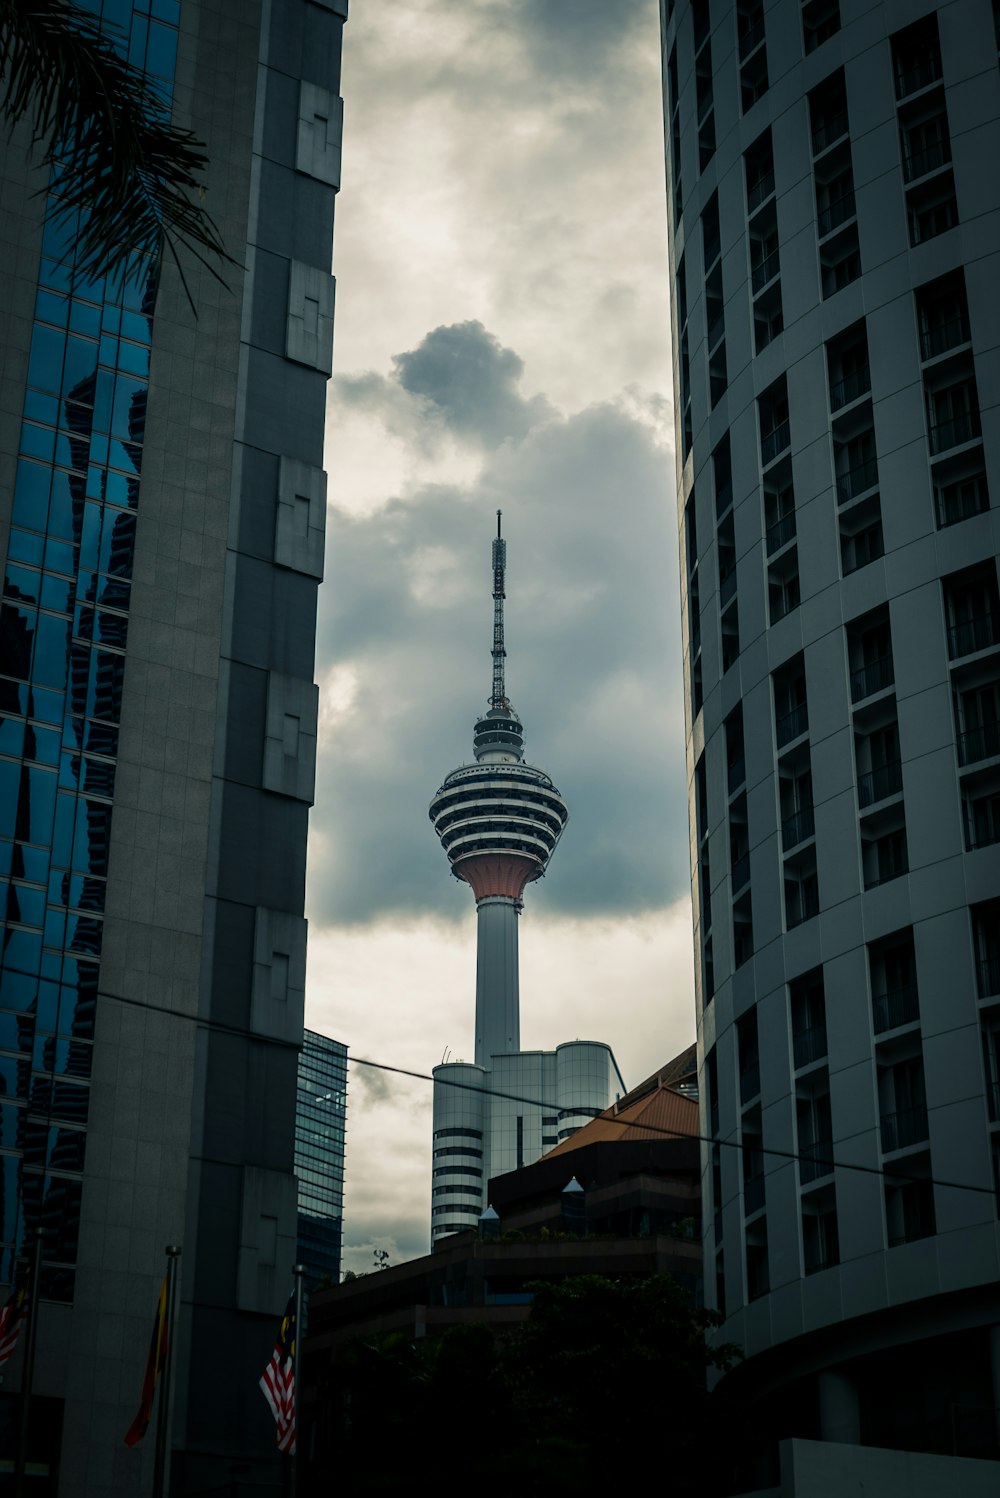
(499, 821)
(834, 216)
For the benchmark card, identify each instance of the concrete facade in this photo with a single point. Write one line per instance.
(834, 217)
(198, 969)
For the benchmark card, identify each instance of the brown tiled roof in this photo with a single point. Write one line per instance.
(652, 1111)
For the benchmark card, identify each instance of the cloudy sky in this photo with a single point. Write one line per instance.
(502, 341)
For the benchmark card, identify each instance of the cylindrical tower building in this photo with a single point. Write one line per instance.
(834, 218)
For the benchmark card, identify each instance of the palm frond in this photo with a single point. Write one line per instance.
(123, 177)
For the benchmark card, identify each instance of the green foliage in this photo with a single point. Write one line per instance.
(104, 128)
(606, 1376)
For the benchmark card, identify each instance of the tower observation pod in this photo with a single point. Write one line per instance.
(499, 821)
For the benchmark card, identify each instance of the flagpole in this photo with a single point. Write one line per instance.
(29, 1367)
(163, 1404)
(298, 1271)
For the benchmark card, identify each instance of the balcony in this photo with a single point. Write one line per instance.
(751, 39)
(809, 1045)
(979, 743)
(900, 1130)
(895, 1007)
(919, 73)
(716, 330)
(988, 977)
(874, 677)
(857, 480)
(930, 159)
(736, 773)
(753, 1195)
(815, 1160)
(836, 213)
(760, 190)
(879, 784)
(981, 632)
(851, 388)
(780, 533)
(791, 725)
(829, 131)
(944, 336)
(741, 872)
(727, 584)
(774, 442)
(764, 272)
(796, 828)
(750, 1082)
(965, 427)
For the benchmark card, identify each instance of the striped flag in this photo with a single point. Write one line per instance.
(155, 1360)
(14, 1314)
(278, 1381)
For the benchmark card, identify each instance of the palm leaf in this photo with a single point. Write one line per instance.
(123, 178)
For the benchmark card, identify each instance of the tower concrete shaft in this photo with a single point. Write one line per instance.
(499, 821)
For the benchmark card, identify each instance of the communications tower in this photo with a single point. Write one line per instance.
(499, 821)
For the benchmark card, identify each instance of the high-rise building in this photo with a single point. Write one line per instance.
(161, 529)
(320, 1120)
(499, 821)
(834, 224)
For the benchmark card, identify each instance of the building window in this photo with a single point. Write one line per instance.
(807, 1003)
(893, 973)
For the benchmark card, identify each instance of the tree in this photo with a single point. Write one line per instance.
(104, 131)
(605, 1375)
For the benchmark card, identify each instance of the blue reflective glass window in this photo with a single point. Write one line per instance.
(137, 42)
(104, 695)
(70, 452)
(126, 455)
(118, 542)
(100, 448)
(46, 1009)
(25, 905)
(31, 495)
(14, 696)
(22, 951)
(90, 536)
(57, 277)
(10, 1176)
(81, 891)
(112, 629)
(12, 1122)
(101, 739)
(80, 370)
(25, 546)
(62, 1056)
(59, 557)
(52, 308)
(78, 1001)
(135, 327)
(133, 358)
(42, 745)
(57, 593)
(60, 519)
(18, 990)
(90, 845)
(38, 442)
(43, 408)
(52, 642)
(47, 706)
(60, 235)
(99, 777)
(60, 1218)
(18, 623)
(71, 770)
(129, 412)
(62, 835)
(15, 1072)
(67, 1100)
(17, 1031)
(111, 318)
(84, 933)
(10, 780)
(84, 318)
(11, 736)
(51, 962)
(59, 1149)
(161, 51)
(55, 927)
(6, 850)
(30, 863)
(46, 359)
(23, 584)
(103, 396)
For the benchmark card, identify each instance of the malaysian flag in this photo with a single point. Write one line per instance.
(277, 1382)
(156, 1359)
(14, 1314)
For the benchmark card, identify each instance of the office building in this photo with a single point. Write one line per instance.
(499, 821)
(161, 526)
(320, 1120)
(834, 224)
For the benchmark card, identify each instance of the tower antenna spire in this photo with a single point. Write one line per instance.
(499, 695)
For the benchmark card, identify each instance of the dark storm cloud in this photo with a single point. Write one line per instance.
(472, 380)
(593, 669)
(459, 378)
